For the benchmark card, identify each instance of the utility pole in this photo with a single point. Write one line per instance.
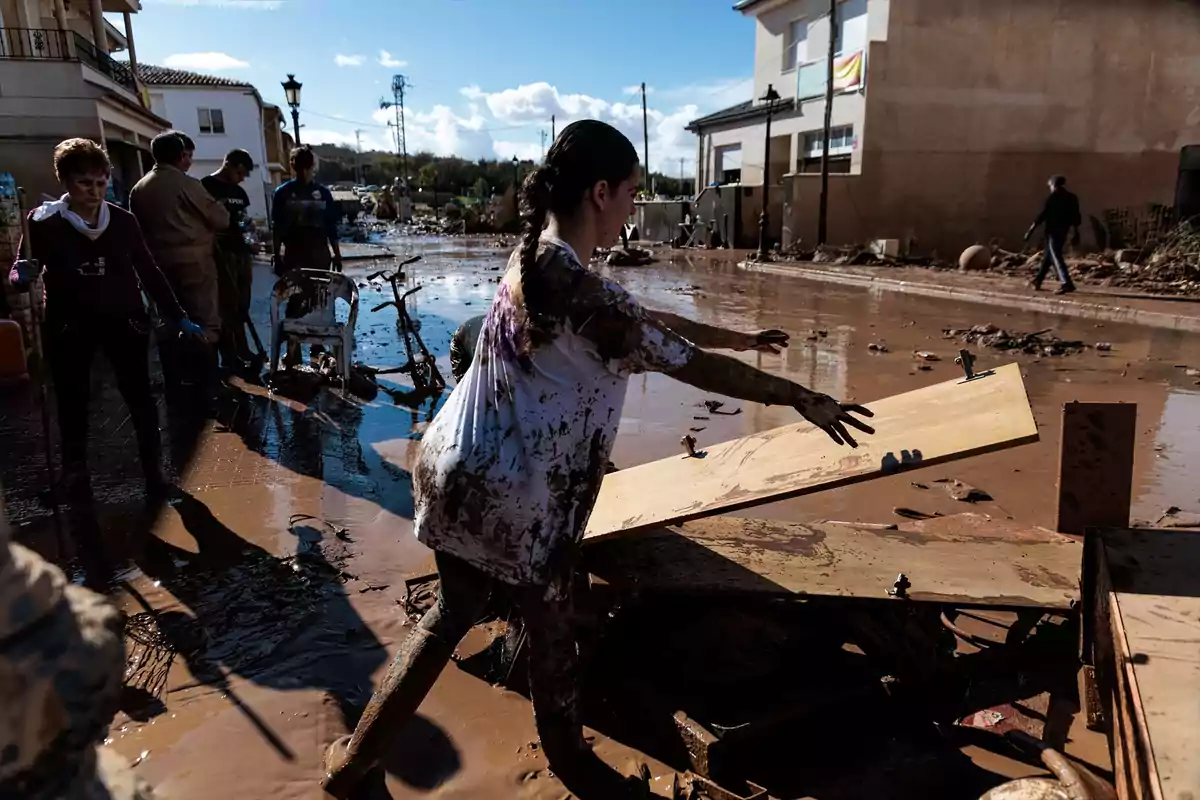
(553, 130)
(399, 84)
(645, 139)
(823, 203)
(358, 171)
(681, 191)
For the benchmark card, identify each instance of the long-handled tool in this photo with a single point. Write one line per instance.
(261, 356)
(35, 328)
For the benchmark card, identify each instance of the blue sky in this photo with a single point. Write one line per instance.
(486, 74)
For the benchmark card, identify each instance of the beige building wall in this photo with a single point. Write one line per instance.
(972, 105)
(41, 103)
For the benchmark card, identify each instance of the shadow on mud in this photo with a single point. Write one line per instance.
(285, 622)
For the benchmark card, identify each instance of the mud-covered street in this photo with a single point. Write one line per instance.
(273, 591)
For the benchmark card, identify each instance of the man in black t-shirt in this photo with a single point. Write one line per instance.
(233, 258)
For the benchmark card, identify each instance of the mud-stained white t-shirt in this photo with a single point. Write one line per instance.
(513, 462)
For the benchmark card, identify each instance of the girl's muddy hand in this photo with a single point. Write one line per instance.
(832, 417)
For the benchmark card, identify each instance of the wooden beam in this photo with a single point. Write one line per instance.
(1095, 472)
(938, 423)
(1095, 487)
(966, 559)
(1154, 615)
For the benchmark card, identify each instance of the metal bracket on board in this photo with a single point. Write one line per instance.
(967, 362)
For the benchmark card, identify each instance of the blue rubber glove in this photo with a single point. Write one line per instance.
(189, 328)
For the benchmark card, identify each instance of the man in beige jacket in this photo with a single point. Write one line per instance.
(180, 219)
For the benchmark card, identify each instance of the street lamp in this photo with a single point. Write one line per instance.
(516, 176)
(770, 97)
(291, 90)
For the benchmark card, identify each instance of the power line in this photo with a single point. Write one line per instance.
(308, 111)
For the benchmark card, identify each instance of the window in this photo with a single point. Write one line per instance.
(841, 147)
(729, 163)
(841, 142)
(211, 120)
(795, 44)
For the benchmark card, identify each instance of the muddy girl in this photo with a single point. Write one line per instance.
(511, 466)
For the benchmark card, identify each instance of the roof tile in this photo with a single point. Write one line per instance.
(164, 76)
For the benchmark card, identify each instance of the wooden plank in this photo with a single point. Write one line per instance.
(929, 426)
(1095, 473)
(1095, 485)
(967, 559)
(1155, 617)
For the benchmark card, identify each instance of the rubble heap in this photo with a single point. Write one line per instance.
(1038, 343)
(1172, 265)
(853, 255)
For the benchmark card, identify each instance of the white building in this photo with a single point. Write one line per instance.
(791, 47)
(220, 114)
(58, 81)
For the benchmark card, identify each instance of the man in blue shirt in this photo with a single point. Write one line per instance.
(305, 219)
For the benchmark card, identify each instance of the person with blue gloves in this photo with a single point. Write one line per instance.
(93, 264)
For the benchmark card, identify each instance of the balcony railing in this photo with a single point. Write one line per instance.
(103, 63)
(33, 44)
(812, 77)
(38, 44)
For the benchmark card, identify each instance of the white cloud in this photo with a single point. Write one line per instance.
(349, 61)
(517, 115)
(254, 5)
(370, 140)
(524, 151)
(204, 61)
(533, 104)
(386, 59)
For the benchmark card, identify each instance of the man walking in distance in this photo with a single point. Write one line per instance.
(180, 220)
(1060, 216)
(234, 271)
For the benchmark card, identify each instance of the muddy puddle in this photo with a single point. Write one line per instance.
(269, 596)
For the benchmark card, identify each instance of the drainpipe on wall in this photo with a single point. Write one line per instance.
(129, 38)
(60, 14)
(98, 37)
(133, 62)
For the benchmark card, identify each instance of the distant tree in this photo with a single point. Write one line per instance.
(482, 188)
(427, 176)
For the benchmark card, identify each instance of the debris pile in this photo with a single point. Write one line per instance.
(1037, 343)
(1171, 267)
(852, 255)
(629, 257)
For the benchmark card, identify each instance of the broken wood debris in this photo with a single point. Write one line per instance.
(1039, 343)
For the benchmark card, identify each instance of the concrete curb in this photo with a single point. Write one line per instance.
(1051, 305)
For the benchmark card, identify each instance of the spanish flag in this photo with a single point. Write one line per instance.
(847, 72)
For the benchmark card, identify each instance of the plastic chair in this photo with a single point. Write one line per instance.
(320, 325)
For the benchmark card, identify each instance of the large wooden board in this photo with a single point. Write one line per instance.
(966, 559)
(1155, 617)
(929, 426)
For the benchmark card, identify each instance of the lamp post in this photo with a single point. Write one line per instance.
(770, 97)
(516, 176)
(291, 90)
